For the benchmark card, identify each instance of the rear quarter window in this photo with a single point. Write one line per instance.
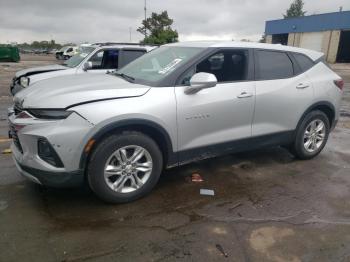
(273, 65)
(303, 61)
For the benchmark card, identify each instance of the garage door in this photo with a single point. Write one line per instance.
(312, 41)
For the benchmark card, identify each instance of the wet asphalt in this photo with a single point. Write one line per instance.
(267, 206)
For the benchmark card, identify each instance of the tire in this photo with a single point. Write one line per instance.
(109, 155)
(301, 147)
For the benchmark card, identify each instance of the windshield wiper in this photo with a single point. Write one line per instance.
(126, 77)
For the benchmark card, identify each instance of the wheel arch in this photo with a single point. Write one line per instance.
(325, 107)
(147, 127)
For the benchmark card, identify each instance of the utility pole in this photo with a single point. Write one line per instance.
(145, 17)
(130, 34)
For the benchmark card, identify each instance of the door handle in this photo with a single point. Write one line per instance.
(302, 86)
(244, 95)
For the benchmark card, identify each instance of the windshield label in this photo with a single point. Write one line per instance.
(83, 55)
(170, 66)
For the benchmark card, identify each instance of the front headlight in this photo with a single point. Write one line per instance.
(50, 114)
(24, 81)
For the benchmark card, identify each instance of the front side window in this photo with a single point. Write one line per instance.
(273, 65)
(226, 65)
(159, 63)
(105, 59)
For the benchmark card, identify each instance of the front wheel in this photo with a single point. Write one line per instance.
(312, 135)
(125, 167)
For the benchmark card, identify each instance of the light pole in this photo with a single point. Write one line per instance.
(145, 8)
(130, 34)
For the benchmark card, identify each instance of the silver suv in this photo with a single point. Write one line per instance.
(92, 59)
(179, 103)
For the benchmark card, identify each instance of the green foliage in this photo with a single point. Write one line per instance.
(295, 9)
(157, 29)
(41, 45)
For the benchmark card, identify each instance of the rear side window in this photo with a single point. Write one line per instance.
(304, 62)
(130, 55)
(273, 65)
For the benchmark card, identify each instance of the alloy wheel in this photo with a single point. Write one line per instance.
(128, 169)
(314, 135)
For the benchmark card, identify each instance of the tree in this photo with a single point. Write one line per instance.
(295, 9)
(157, 29)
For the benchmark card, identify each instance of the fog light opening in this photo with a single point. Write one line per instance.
(47, 153)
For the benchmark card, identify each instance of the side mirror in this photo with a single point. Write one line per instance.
(87, 66)
(200, 81)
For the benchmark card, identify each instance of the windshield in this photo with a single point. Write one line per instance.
(157, 64)
(75, 60)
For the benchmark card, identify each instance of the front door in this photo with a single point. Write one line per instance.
(214, 117)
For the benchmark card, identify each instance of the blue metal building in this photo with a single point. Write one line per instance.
(328, 33)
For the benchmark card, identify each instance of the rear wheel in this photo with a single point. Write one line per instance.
(125, 167)
(311, 136)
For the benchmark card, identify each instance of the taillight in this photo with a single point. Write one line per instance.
(339, 83)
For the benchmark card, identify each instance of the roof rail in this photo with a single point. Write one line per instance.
(118, 43)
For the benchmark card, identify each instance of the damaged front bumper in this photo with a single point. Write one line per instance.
(65, 139)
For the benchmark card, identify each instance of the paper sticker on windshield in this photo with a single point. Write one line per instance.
(170, 66)
(83, 54)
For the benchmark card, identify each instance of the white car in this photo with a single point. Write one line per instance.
(94, 59)
(66, 52)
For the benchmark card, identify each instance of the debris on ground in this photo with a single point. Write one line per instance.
(235, 206)
(222, 251)
(206, 192)
(6, 151)
(244, 165)
(196, 178)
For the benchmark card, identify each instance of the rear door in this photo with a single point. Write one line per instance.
(283, 93)
(221, 114)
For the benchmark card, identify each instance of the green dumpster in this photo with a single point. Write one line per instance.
(9, 53)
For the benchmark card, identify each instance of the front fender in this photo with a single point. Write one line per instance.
(100, 132)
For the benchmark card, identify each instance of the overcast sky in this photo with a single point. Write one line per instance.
(109, 20)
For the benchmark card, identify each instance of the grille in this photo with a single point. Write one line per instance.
(15, 139)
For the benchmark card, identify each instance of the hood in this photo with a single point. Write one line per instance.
(40, 69)
(65, 91)
(42, 76)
